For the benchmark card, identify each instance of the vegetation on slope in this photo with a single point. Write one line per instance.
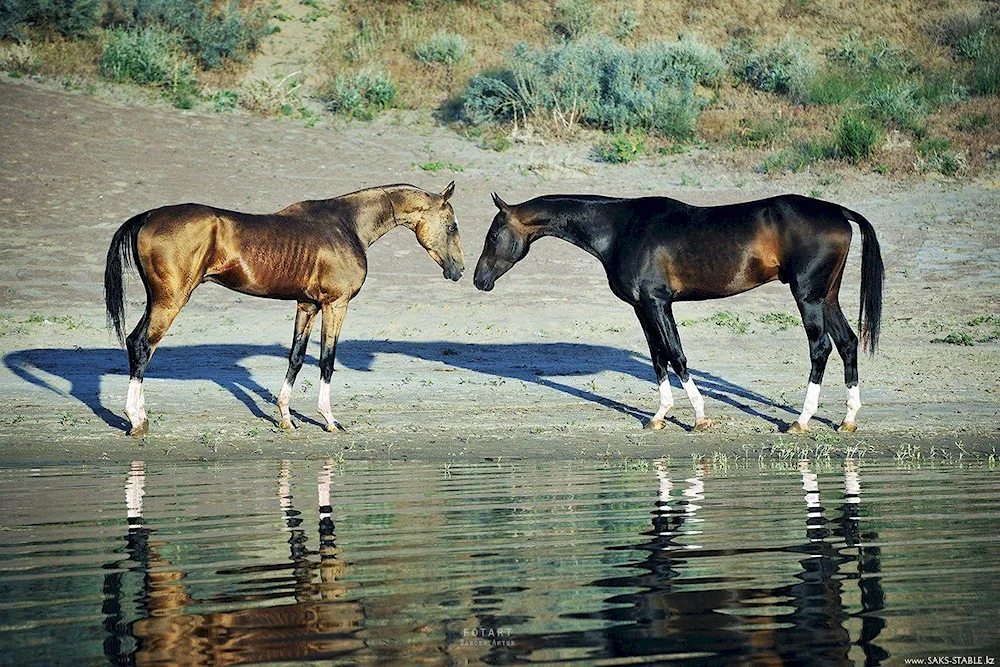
(899, 87)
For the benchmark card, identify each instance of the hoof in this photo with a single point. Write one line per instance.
(847, 427)
(703, 425)
(286, 425)
(140, 430)
(335, 427)
(655, 425)
(796, 427)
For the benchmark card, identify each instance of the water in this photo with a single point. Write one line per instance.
(856, 563)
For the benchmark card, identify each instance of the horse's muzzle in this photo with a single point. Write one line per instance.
(484, 282)
(453, 271)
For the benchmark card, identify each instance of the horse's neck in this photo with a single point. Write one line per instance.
(376, 215)
(579, 226)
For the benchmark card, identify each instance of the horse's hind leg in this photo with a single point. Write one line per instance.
(661, 365)
(304, 319)
(819, 351)
(847, 346)
(141, 343)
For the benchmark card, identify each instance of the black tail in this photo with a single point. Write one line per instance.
(121, 255)
(872, 278)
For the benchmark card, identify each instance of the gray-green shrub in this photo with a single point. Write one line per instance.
(626, 23)
(360, 95)
(442, 48)
(898, 103)
(575, 19)
(786, 67)
(211, 36)
(71, 18)
(601, 83)
(492, 97)
(140, 55)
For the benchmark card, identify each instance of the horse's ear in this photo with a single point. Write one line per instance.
(448, 191)
(500, 204)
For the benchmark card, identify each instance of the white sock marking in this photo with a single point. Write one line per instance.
(324, 403)
(853, 403)
(133, 407)
(283, 397)
(810, 405)
(666, 401)
(697, 402)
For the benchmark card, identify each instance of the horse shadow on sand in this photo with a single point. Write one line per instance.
(225, 365)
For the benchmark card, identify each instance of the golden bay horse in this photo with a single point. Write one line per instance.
(657, 251)
(312, 252)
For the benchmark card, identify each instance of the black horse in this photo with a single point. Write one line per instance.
(658, 250)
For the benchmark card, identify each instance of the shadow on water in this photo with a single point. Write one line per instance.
(536, 363)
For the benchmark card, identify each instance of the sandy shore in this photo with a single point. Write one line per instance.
(548, 365)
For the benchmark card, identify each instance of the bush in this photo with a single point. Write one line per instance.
(575, 18)
(601, 83)
(627, 22)
(985, 76)
(71, 18)
(620, 148)
(935, 154)
(19, 59)
(785, 68)
(442, 48)
(966, 32)
(492, 97)
(881, 55)
(856, 137)
(681, 62)
(897, 103)
(360, 95)
(267, 98)
(140, 55)
(210, 36)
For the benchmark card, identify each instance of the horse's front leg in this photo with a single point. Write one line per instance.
(333, 319)
(304, 318)
(660, 314)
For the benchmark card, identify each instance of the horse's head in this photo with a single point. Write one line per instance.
(434, 223)
(507, 243)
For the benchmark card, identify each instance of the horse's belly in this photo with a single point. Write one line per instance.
(239, 279)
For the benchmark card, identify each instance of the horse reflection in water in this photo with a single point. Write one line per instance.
(317, 625)
(686, 617)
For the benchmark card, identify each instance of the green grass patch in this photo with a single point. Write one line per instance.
(620, 148)
(437, 166)
(730, 321)
(855, 137)
(782, 320)
(956, 338)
